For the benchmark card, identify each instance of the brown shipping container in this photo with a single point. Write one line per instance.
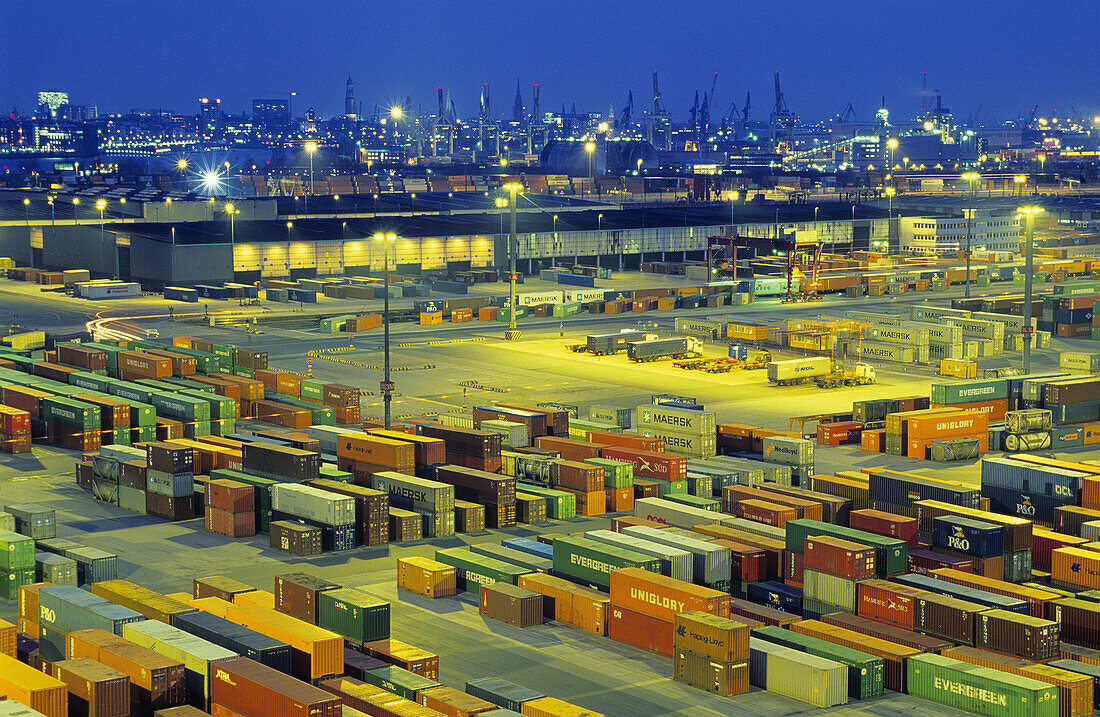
(946, 617)
(887, 632)
(230, 495)
(32, 688)
(557, 420)
(656, 466)
(336, 394)
(888, 524)
(296, 595)
(142, 365)
(570, 449)
(219, 586)
(405, 656)
(511, 604)
(893, 654)
(156, 681)
(95, 690)
(426, 577)
(807, 509)
(452, 702)
(582, 477)
(469, 517)
(251, 689)
(569, 603)
(643, 631)
(721, 639)
(839, 557)
(662, 597)
(299, 540)
(774, 550)
(721, 678)
(887, 602)
(1015, 634)
(231, 525)
(479, 486)
(761, 511)
(82, 356)
(1037, 600)
(1079, 621)
(743, 609)
(627, 440)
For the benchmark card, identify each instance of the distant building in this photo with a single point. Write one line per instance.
(989, 231)
(50, 100)
(271, 113)
(349, 100)
(210, 116)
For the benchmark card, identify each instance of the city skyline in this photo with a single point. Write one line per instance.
(985, 65)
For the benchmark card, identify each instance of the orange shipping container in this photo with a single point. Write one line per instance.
(589, 503)
(570, 603)
(255, 597)
(947, 424)
(1075, 566)
(873, 441)
(1036, 599)
(620, 500)
(995, 410)
(765, 512)
(288, 383)
(426, 577)
(32, 688)
(376, 450)
(143, 365)
(553, 707)
(627, 440)
(431, 319)
(661, 597)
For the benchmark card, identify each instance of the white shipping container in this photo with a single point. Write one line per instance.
(583, 295)
(897, 335)
(327, 436)
(934, 313)
(869, 351)
(881, 319)
(1012, 324)
(1091, 530)
(456, 420)
(797, 369)
(196, 654)
(682, 444)
(711, 562)
(122, 453)
(751, 526)
(418, 493)
(1079, 362)
(665, 511)
(539, 297)
(798, 675)
(512, 435)
(788, 451)
(313, 503)
(677, 420)
(675, 562)
(118, 290)
(937, 333)
(937, 352)
(830, 589)
(773, 472)
(701, 327)
(979, 329)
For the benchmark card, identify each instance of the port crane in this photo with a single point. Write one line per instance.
(800, 253)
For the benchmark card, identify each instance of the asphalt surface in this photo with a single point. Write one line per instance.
(561, 661)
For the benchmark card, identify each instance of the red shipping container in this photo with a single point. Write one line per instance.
(924, 561)
(627, 440)
(1043, 541)
(839, 557)
(232, 525)
(762, 511)
(230, 495)
(747, 563)
(838, 434)
(14, 421)
(620, 500)
(657, 466)
(873, 441)
(250, 689)
(638, 630)
(570, 448)
(887, 602)
(888, 524)
(625, 521)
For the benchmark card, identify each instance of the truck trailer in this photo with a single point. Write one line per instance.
(656, 349)
(607, 344)
(822, 370)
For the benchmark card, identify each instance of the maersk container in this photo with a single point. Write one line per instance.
(472, 570)
(711, 563)
(808, 678)
(313, 504)
(677, 420)
(611, 414)
(197, 655)
(417, 493)
(593, 562)
(890, 553)
(969, 536)
(979, 689)
(866, 672)
(675, 562)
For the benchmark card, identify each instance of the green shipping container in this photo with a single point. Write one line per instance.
(979, 689)
(141, 434)
(321, 415)
(220, 406)
(560, 505)
(196, 429)
(223, 427)
(354, 614)
(335, 324)
(159, 384)
(89, 380)
(244, 372)
(569, 308)
(181, 408)
(672, 487)
(866, 673)
(263, 493)
(399, 681)
(472, 570)
(616, 474)
(117, 436)
(694, 501)
(505, 313)
(131, 391)
(593, 562)
(224, 352)
(12, 580)
(331, 472)
(955, 392)
(76, 414)
(189, 385)
(1079, 288)
(891, 554)
(16, 551)
(579, 428)
(313, 390)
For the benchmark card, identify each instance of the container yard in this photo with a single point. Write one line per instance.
(243, 520)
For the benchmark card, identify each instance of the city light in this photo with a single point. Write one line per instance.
(211, 180)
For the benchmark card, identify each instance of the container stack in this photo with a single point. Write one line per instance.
(170, 481)
(711, 653)
(618, 479)
(943, 432)
(496, 492)
(832, 571)
(798, 453)
(230, 508)
(685, 432)
(1029, 490)
(371, 510)
(333, 514)
(644, 605)
(467, 447)
(585, 482)
(17, 561)
(71, 424)
(15, 430)
(434, 501)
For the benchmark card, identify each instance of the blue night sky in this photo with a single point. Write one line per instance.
(121, 54)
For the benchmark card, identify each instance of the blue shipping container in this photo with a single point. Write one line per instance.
(777, 596)
(1032, 506)
(942, 587)
(526, 545)
(180, 293)
(1075, 316)
(306, 297)
(1081, 412)
(245, 642)
(1066, 437)
(576, 280)
(966, 535)
(616, 295)
(1003, 472)
(1016, 383)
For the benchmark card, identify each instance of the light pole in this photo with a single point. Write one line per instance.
(53, 219)
(26, 211)
(311, 148)
(892, 144)
(232, 211)
(1018, 180)
(890, 192)
(589, 148)
(386, 385)
(512, 334)
(76, 203)
(732, 197)
(1028, 330)
(970, 178)
(101, 204)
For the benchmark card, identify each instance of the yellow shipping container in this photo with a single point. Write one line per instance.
(431, 318)
(750, 332)
(553, 707)
(1074, 566)
(959, 368)
(152, 605)
(1091, 432)
(26, 341)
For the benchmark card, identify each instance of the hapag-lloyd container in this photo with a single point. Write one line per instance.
(801, 676)
(718, 638)
(887, 602)
(675, 562)
(979, 689)
(865, 671)
(711, 562)
(197, 655)
(662, 597)
(946, 617)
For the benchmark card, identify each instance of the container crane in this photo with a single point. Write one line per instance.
(781, 121)
(659, 121)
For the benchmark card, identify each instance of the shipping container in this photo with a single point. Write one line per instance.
(801, 676)
(946, 617)
(894, 655)
(978, 689)
(250, 689)
(426, 577)
(865, 671)
(197, 655)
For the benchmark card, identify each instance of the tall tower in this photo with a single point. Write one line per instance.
(349, 99)
(517, 108)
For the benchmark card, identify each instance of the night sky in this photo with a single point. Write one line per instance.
(121, 54)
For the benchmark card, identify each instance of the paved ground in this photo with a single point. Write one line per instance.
(561, 661)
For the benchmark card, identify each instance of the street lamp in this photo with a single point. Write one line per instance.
(589, 148)
(970, 178)
(512, 334)
(890, 192)
(232, 212)
(1028, 330)
(892, 144)
(101, 204)
(1018, 180)
(386, 385)
(311, 148)
(26, 211)
(76, 203)
(182, 165)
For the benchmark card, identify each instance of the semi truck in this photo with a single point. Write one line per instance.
(656, 349)
(822, 370)
(607, 344)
